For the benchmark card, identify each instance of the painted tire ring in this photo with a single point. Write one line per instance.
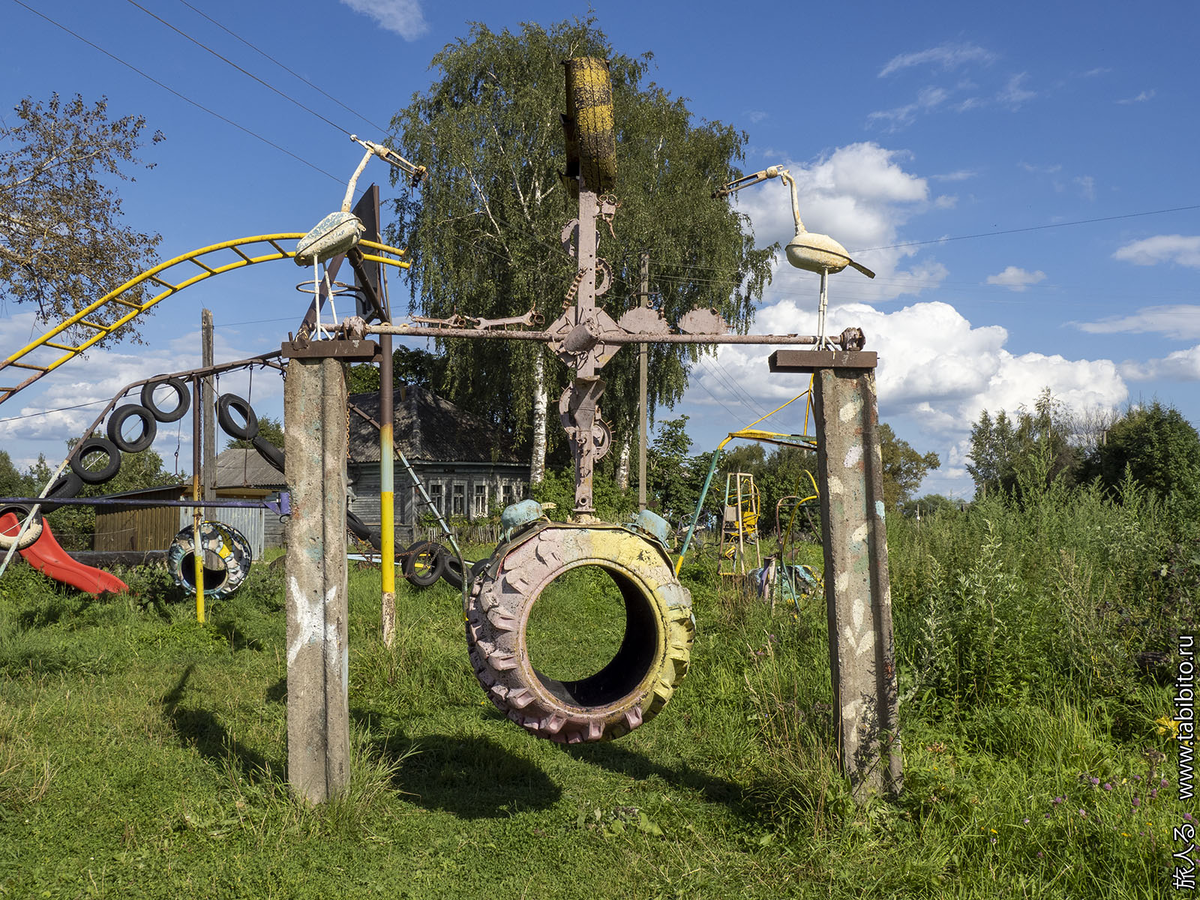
(97, 445)
(224, 540)
(32, 533)
(117, 420)
(245, 432)
(633, 687)
(181, 394)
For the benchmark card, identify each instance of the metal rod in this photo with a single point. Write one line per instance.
(622, 337)
(197, 550)
(387, 488)
(103, 501)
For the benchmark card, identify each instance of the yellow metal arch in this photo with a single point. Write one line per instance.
(247, 252)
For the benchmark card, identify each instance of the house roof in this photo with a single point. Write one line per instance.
(428, 429)
(237, 467)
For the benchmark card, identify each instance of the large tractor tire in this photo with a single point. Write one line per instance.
(639, 680)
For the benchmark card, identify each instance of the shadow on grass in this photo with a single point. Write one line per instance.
(622, 761)
(470, 777)
(200, 729)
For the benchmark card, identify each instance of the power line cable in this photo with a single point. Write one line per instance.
(230, 62)
(176, 93)
(982, 234)
(46, 412)
(291, 72)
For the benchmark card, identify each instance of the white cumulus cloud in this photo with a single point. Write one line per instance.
(1182, 365)
(1016, 279)
(1177, 248)
(859, 194)
(937, 372)
(404, 17)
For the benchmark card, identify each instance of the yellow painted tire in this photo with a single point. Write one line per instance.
(589, 104)
(627, 692)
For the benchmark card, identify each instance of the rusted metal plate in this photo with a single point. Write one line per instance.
(348, 351)
(811, 360)
(703, 321)
(643, 320)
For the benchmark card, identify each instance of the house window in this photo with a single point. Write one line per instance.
(510, 493)
(481, 499)
(458, 500)
(435, 495)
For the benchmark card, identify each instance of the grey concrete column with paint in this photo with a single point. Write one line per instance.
(862, 655)
(318, 713)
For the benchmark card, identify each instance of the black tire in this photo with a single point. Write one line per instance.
(640, 679)
(181, 393)
(117, 421)
(452, 574)
(363, 531)
(90, 447)
(32, 533)
(68, 484)
(245, 432)
(424, 563)
(268, 451)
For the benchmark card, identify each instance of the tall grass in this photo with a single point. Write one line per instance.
(142, 755)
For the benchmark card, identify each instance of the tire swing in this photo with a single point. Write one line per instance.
(639, 680)
(229, 544)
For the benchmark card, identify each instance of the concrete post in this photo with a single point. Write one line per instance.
(318, 712)
(862, 655)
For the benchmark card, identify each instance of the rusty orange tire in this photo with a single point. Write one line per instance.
(634, 686)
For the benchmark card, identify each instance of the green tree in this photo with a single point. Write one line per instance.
(1159, 448)
(12, 482)
(675, 477)
(76, 524)
(409, 366)
(1036, 447)
(928, 506)
(63, 243)
(484, 232)
(903, 467)
(269, 429)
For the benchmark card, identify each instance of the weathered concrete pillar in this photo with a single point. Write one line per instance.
(862, 655)
(318, 712)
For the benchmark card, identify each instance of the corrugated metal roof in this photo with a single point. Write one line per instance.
(237, 467)
(428, 429)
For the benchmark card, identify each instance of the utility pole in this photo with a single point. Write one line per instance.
(643, 376)
(209, 467)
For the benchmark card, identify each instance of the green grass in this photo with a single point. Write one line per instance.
(143, 755)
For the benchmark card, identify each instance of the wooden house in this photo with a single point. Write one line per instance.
(467, 466)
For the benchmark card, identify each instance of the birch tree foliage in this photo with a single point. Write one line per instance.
(63, 239)
(484, 230)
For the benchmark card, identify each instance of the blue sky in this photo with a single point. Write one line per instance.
(965, 152)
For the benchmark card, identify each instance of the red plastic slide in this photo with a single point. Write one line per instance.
(50, 559)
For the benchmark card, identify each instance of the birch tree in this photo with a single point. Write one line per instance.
(484, 231)
(63, 240)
